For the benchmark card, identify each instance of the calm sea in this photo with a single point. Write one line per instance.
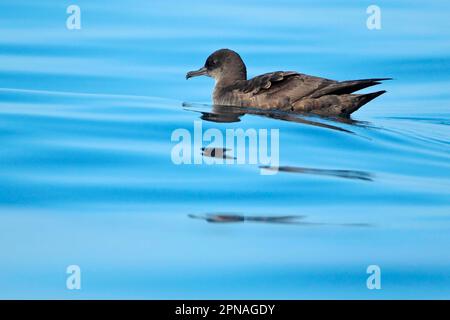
(87, 178)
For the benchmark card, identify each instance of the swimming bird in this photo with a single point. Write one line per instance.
(282, 90)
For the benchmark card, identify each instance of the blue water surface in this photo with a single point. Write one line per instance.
(87, 179)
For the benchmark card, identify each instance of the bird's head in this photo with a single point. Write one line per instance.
(223, 65)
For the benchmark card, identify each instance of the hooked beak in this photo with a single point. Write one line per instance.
(200, 72)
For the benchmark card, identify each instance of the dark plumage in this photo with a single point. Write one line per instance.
(282, 90)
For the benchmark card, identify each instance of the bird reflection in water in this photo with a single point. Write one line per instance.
(230, 114)
(346, 174)
(294, 220)
(219, 153)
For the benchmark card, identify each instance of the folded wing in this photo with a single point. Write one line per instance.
(301, 92)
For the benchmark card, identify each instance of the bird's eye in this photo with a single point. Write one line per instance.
(212, 63)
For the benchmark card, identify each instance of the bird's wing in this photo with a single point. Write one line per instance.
(346, 87)
(266, 81)
(298, 85)
(288, 83)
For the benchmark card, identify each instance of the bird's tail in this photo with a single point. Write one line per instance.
(347, 87)
(360, 100)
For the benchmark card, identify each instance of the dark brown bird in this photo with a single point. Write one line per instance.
(282, 90)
